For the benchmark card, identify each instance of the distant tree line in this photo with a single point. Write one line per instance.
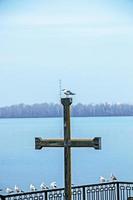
(55, 110)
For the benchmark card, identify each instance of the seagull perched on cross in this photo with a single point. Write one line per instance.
(68, 92)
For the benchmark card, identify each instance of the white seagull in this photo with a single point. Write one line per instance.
(68, 92)
(102, 179)
(53, 185)
(32, 188)
(43, 186)
(9, 190)
(113, 178)
(17, 189)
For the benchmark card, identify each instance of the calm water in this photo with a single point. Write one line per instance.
(21, 164)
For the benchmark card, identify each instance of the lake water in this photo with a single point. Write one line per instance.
(21, 164)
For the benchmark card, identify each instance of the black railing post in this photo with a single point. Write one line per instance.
(2, 197)
(83, 193)
(118, 191)
(46, 195)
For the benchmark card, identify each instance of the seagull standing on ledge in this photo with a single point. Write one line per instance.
(9, 190)
(17, 189)
(113, 178)
(53, 185)
(68, 92)
(102, 179)
(32, 188)
(43, 186)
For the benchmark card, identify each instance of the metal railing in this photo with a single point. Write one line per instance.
(104, 191)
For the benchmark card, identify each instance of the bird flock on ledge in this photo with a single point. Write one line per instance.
(53, 185)
(32, 188)
(104, 180)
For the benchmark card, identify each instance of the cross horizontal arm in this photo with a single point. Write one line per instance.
(39, 143)
(95, 143)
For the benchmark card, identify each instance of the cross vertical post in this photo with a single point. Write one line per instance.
(66, 102)
(67, 143)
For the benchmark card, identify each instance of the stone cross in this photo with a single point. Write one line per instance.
(67, 143)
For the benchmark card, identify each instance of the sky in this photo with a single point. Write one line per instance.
(86, 44)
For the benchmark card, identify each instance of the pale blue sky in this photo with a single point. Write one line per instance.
(86, 44)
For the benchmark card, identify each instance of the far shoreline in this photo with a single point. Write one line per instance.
(103, 116)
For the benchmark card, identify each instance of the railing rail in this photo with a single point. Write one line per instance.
(103, 191)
